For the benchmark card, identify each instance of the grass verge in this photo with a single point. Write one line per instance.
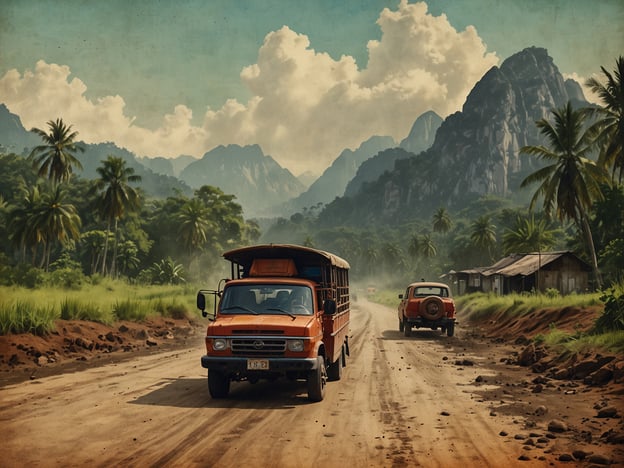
(24, 310)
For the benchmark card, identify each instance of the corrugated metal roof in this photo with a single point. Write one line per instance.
(529, 264)
(519, 264)
(502, 263)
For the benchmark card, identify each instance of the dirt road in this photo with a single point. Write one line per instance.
(401, 402)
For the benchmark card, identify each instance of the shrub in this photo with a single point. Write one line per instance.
(551, 293)
(67, 278)
(612, 318)
(28, 276)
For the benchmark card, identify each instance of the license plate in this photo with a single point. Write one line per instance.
(257, 364)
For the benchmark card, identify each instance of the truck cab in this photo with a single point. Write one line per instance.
(284, 312)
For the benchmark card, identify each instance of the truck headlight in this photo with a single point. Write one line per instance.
(295, 345)
(219, 344)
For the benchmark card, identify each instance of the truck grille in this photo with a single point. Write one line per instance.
(258, 346)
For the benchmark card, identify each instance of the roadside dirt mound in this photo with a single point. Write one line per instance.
(564, 402)
(509, 327)
(75, 344)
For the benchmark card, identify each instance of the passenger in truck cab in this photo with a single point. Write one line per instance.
(301, 301)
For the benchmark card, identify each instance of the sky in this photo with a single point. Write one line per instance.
(304, 79)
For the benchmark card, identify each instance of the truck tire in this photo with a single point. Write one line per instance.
(401, 326)
(450, 329)
(334, 370)
(317, 379)
(407, 329)
(218, 384)
(432, 308)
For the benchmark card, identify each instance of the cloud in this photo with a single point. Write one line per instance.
(306, 107)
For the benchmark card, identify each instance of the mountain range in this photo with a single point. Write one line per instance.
(476, 151)
(447, 162)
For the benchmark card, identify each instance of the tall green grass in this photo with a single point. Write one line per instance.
(26, 317)
(25, 310)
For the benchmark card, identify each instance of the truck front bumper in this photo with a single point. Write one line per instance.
(239, 364)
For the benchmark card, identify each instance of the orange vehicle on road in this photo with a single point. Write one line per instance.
(284, 312)
(427, 305)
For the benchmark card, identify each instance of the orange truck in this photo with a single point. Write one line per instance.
(284, 312)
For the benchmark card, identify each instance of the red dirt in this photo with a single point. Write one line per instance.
(76, 344)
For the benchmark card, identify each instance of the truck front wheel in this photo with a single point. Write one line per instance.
(450, 329)
(317, 379)
(407, 329)
(218, 384)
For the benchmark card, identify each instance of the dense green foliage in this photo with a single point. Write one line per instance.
(75, 228)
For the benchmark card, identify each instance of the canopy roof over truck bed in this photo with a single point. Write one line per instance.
(301, 255)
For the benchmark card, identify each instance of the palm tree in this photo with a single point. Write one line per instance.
(413, 248)
(57, 221)
(427, 248)
(92, 243)
(55, 159)
(195, 226)
(127, 257)
(116, 197)
(483, 234)
(571, 182)
(391, 256)
(24, 234)
(442, 221)
(528, 235)
(611, 124)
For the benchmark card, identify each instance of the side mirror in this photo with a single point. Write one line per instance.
(400, 296)
(201, 302)
(329, 306)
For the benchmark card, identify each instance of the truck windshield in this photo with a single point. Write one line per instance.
(267, 299)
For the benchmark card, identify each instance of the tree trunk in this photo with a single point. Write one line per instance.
(105, 248)
(592, 250)
(114, 259)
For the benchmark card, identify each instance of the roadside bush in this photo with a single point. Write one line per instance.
(551, 293)
(612, 318)
(28, 276)
(66, 273)
(67, 278)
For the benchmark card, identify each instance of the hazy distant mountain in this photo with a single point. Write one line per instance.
(168, 166)
(420, 138)
(476, 151)
(14, 138)
(334, 180)
(371, 169)
(307, 178)
(422, 134)
(258, 182)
